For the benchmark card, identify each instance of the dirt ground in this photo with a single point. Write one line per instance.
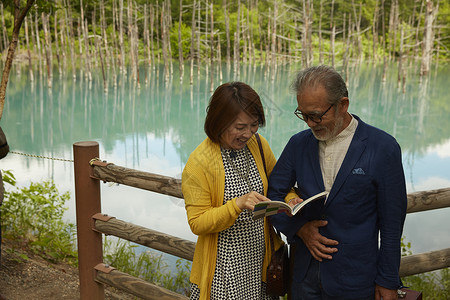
(37, 279)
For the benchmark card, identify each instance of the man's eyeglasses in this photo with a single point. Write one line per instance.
(316, 118)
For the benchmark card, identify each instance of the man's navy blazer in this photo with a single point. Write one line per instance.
(365, 210)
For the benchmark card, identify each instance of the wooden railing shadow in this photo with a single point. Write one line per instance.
(92, 223)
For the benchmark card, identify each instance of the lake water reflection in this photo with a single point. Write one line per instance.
(155, 127)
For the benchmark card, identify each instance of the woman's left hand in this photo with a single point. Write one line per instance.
(249, 200)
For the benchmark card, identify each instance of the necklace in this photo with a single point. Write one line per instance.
(244, 175)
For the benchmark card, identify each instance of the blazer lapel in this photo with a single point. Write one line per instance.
(313, 156)
(355, 150)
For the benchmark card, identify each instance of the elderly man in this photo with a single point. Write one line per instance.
(348, 246)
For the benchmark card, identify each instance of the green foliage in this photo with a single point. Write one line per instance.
(433, 285)
(34, 214)
(406, 247)
(8, 177)
(185, 39)
(148, 265)
(255, 22)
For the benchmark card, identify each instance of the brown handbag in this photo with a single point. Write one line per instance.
(278, 269)
(407, 294)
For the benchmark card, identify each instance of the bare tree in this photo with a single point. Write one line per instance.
(4, 31)
(428, 38)
(30, 67)
(48, 54)
(333, 34)
(192, 44)
(180, 42)
(227, 32)
(19, 16)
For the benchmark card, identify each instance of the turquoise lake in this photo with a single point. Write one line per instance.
(155, 127)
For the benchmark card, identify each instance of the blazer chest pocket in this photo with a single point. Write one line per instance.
(359, 187)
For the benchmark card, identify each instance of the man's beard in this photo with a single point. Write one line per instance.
(328, 134)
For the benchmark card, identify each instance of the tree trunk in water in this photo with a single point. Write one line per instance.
(249, 39)
(393, 24)
(70, 36)
(401, 71)
(320, 33)
(268, 52)
(84, 32)
(427, 39)
(48, 54)
(122, 50)
(19, 16)
(4, 31)
(130, 35)
(305, 35)
(417, 42)
(358, 31)
(345, 56)
(274, 40)
(38, 43)
(180, 43)
(244, 38)
(104, 34)
(64, 44)
(383, 77)
(211, 88)
(152, 22)
(58, 51)
(375, 32)
(164, 40)
(333, 50)
(237, 36)
(219, 59)
(227, 33)
(198, 33)
(30, 66)
(98, 51)
(192, 55)
(136, 48)
(87, 51)
(147, 42)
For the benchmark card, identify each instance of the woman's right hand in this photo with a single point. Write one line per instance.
(249, 200)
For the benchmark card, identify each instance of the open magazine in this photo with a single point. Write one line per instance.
(268, 208)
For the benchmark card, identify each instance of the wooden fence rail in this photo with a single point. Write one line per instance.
(147, 237)
(425, 262)
(135, 286)
(89, 170)
(108, 172)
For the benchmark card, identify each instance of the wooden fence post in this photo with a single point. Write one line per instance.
(88, 203)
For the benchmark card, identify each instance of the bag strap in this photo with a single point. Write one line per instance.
(258, 139)
(271, 230)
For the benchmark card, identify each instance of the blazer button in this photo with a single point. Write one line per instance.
(323, 217)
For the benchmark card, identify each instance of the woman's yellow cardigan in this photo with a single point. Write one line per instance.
(203, 184)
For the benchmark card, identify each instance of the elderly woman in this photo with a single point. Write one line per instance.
(223, 179)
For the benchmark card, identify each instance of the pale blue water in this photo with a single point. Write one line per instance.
(155, 127)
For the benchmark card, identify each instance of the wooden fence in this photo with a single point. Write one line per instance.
(92, 223)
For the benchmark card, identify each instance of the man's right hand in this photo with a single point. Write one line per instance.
(319, 246)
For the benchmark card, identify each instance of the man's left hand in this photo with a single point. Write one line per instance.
(384, 293)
